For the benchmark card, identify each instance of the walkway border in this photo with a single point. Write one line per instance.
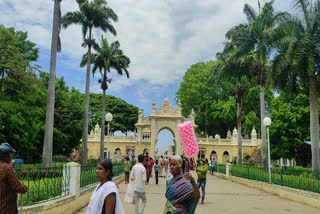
(65, 205)
(301, 196)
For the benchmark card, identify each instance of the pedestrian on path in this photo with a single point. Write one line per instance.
(156, 171)
(139, 176)
(182, 192)
(202, 177)
(161, 162)
(146, 165)
(126, 170)
(105, 198)
(9, 182)
(212, 163)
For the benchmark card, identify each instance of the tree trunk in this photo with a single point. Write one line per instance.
(84, 152)
(48, 134)
(239, 116)
(264, 152)
(103, 124)
(314, 123)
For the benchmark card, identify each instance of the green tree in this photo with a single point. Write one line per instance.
(16, 54)
(234, 68)
(55, 47)
(256, 38)
(90, 14)
(107, 57)
(298, 60)
(289, 113)
(125, 115)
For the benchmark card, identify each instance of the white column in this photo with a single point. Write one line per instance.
(71, 178)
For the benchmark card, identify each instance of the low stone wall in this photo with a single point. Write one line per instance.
(65, 205)
(308, 198)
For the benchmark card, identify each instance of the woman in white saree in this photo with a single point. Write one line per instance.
(105, 199)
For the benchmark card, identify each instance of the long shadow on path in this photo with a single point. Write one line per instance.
(222, 197)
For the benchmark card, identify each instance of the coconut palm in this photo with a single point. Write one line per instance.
(257, 38)
(55, 47)
(91, 14)
(235, 68)
(298, 60)
(107, 57)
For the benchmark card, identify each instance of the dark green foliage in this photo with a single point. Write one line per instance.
(124, 115)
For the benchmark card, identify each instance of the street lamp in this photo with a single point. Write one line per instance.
(267, 123)
(217, 139)
(108, 119)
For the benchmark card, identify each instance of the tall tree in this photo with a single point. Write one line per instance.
(235, 67)
(55, 47)
(298, 60)
(90, 14)
(107, 57)
(256, 38)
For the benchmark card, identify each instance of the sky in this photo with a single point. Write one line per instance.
(162, 39)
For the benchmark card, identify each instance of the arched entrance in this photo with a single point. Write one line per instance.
(202, 153)
(225, 157)
(161, 118)
(213, 155)
(165, 145)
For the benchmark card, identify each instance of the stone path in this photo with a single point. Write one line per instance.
(222, 196)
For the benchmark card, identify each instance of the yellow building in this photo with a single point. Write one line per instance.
(148, 128)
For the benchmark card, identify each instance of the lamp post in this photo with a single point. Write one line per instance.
(267, 123)
(108, 119)
(217, 139)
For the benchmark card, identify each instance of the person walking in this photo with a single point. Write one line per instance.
(161, 166)
(126, 170)
(139, 176)
(105, 198)
(182, 192)
(151, 165)
(156, 171)
(10, 185)
(146, 165)
(202, 175)
(212, 164)
(165, 165)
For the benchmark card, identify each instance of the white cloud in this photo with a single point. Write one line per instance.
(162, 38)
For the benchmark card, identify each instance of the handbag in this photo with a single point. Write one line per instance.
(129, 197)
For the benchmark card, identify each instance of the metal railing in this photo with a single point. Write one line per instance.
(88, 175)
(298, 179)
(43, 184)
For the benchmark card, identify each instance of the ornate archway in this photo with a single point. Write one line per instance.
(161, 118)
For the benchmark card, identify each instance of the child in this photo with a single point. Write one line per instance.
(156, 171)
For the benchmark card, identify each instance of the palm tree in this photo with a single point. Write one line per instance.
(298, 60)
(55, 47)
(234, 67)
(257, 38)
(107, 57)
(91, 14)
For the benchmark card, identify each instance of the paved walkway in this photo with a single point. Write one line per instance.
(222, 196)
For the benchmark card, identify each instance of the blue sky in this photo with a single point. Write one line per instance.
(161, 38)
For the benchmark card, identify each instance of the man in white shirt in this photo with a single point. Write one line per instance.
(139, 175)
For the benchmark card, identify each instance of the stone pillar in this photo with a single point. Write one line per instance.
(71, 178)
(227, 169)
(254, 136)
(281, 161)
(153, 138)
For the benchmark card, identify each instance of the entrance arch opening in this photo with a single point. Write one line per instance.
(164, 140)
(225, 156)
(213, 155)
